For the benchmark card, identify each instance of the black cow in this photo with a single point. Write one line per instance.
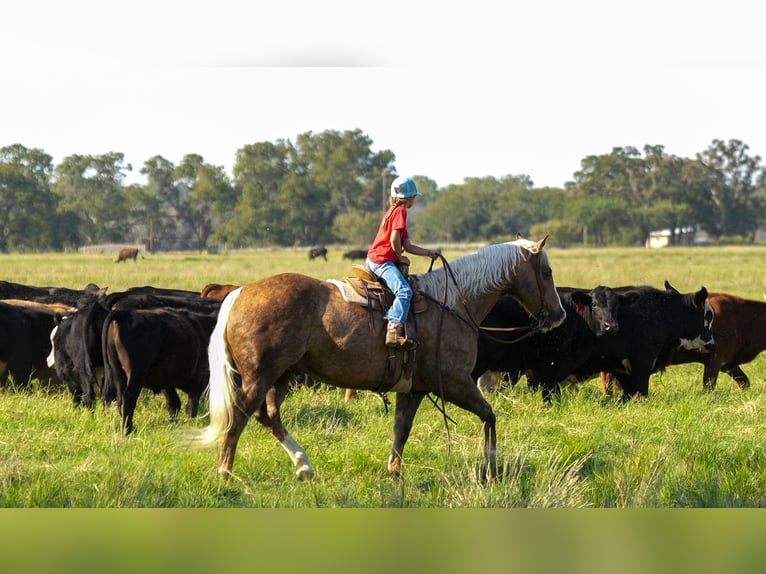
(320, 251)
(546, 358)
(355, 254)
(77, 342)
(151, 290)
(162, 349)
(25, 343)
(654, 324)
(72, 297)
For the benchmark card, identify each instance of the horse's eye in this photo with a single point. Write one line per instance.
(547, 274)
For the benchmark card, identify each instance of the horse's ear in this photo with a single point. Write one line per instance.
(518, 235)
(540, 244)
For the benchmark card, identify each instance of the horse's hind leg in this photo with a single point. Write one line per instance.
(406, 407)
(268, 415)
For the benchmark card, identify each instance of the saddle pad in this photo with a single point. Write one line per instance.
(349, 293)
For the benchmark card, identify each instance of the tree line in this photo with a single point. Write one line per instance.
(332, 187)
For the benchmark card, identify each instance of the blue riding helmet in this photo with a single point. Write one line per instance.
(404, 187)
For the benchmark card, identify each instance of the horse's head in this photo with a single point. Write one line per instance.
(534, 288)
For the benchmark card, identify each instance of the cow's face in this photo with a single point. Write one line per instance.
(704, 341)
(599, 309)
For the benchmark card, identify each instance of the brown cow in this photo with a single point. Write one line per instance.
(739, 338)
(128, 253)
(217, 291)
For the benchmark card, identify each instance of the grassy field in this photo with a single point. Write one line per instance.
(681, 447)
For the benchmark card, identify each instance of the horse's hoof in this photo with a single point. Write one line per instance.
(305, 472)
(395, 466)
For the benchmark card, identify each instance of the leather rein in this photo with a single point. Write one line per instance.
(532, 329)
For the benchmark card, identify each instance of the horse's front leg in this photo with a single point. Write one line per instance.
(406, 407)
(465, 394)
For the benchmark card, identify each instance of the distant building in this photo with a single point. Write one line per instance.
(691, 235)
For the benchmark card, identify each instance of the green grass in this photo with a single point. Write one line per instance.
(680, 447)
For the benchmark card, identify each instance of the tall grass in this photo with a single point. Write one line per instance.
(680, 447)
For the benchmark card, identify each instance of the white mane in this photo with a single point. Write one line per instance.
(490, 269)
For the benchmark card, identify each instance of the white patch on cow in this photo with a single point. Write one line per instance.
(51, 360)
(696, 344)
(488, 382)
(708, 323)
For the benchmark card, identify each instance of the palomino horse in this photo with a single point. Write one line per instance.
(292, 322)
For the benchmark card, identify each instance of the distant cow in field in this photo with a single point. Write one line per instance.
(162, 349)
(355, 254)
(217, 290)
(320, 251)
(128, 253)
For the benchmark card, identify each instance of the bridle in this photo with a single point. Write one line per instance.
(531, 329)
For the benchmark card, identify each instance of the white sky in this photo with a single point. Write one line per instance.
(455, 90)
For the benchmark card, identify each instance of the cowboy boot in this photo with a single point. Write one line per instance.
(411, 337)
(394, 334)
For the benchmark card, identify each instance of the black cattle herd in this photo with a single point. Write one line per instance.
(148, 337)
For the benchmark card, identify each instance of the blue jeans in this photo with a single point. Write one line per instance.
(389, 273)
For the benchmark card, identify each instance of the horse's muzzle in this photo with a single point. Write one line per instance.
(545, 323)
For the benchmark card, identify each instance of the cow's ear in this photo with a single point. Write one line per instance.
(629, 297)
(581, 299)
(699, 297)
(669, 287)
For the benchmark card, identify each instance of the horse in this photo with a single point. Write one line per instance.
(286, 322)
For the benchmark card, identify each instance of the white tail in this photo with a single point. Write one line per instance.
(222, 388)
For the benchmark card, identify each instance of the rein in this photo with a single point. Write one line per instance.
(471, 322)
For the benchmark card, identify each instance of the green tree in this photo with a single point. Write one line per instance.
(209, 195)
(184, 203)
(259, 172)
(484, 209)
(91, 197)
(291, 194)
(339, 172)
(356, 227)
(27, 205)
(734, 177)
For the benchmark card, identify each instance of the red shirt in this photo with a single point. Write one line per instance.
(381, 250)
